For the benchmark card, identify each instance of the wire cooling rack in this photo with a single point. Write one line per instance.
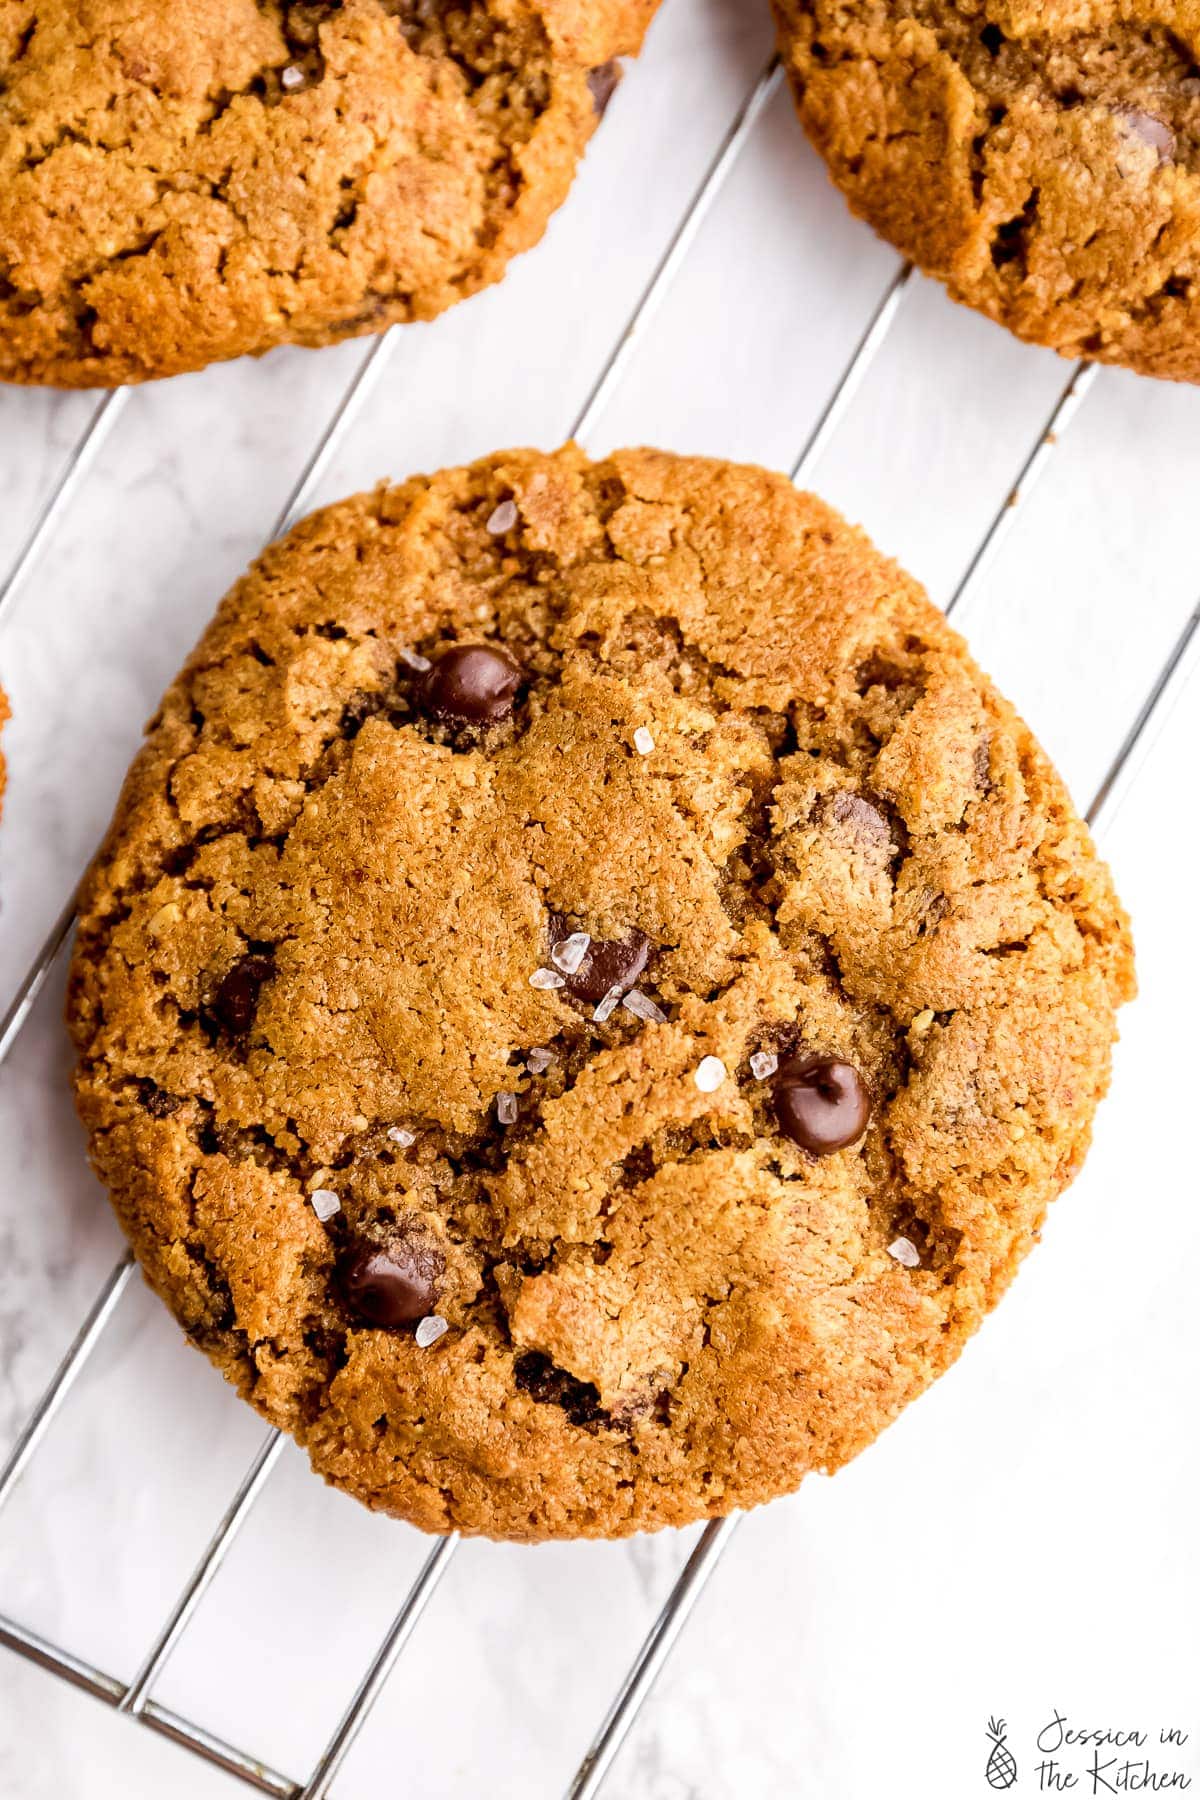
(136, 1697)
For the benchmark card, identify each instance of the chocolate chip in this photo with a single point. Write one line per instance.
(821, 1104)
(392, 1284)
(537, 1376)
(236, 999)
(866, 821)
(609, 963)
(604, 82)
(471, 684)
(157, 1103)
(1150, 129)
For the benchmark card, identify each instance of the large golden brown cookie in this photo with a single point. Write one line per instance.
(182, 183)
(588, 993)
(1041, 156)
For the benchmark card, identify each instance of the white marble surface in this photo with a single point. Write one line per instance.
(1024, 1539)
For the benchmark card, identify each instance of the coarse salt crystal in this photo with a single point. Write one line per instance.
(568, 955)
(763, 1064)
(710, 1074)
(643, 1007)
(905, 1253)
(546, 979)
(430, 1330)
(507, 1108)
(291, 78)
(643, 743)
(503, 519)
(607, 1006)
(538, 1061)
(413, 659)
(398, 1135)
(325, 1203)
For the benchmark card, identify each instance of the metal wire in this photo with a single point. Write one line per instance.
(362, 385)
(382, 1664)
(854, 374)
(1152, 719)
(71, 476)
(135, 1698)
(101, 1686)
(651, 1658)
(1078, 387)
(23, 1001)
(675, 255)
(65, 1376)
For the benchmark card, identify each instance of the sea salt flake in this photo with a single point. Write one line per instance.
(325, 1203)
(643, 742)
(546, 979)
(503, 519)
(430, 1330)
(568, 955)
(763, 1064)
(291, 78)
(643, 1007)
(398, 1135)
(607, 1006)
(538, 1061)
(905, 1253)
(710, 1074)
(507, 1108)
(412, 659)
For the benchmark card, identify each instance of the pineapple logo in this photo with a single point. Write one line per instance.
(1002, 1764)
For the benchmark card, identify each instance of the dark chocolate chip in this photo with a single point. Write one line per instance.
(537, 1376)
(157, 1103)
(1150, 129)
(393, 1283)
(821, 1104)
(609, 963)
(865, 820)
(471, 684)
(236, 999)
(604, 82)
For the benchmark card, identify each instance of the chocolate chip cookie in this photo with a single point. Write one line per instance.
(180, 184)
(1041, 157)
(588, 993)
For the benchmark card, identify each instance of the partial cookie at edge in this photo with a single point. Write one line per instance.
(1043, 160)
(178, 190)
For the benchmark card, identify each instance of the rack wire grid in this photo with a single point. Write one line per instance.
(863, 296)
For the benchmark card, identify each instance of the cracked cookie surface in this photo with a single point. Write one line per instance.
(1042, 157)
(183, 184)
(588, 993)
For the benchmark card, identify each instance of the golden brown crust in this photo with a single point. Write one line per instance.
(843, 841)
(184, 184)
(1041, 157)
